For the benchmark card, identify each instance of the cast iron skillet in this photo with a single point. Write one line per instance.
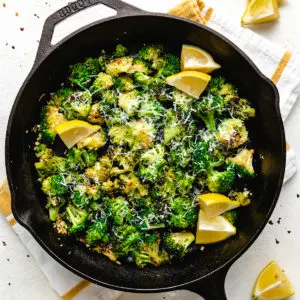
(205, 272)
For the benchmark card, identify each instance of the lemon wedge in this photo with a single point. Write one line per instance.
(272, 284)
(197, 59)
(213, 204)
(71, 132)
(213, 230)
(259, 11)
(191, 82)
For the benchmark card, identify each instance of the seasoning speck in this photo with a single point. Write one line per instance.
(9, 283)
(7, 259)
(27, 255)
(36, 16)
(271, 222)
(4, 4)
(13, 47)
(298, 196)
(288, 231)
(17, 14)
(4, 244)
(278, 221)
(22, 28)
(202, 248)
(277, 242)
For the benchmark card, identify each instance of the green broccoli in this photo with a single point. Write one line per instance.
(167, 188)
(243, 163)
(182, 100)
(242, 197)
(208, 109)
(93, 142)
(119, 65)
(102, 82)
(173, 127)
(50, 166)
(151, 109)
(50, 117)
(78, 159)
(240, 108)
(232, 133)
(119, 210)
(184, 213)
(54, 203)
(150, 252)
(180, 154)
(61, 95)
(81, 73)
(151, 52)
(130, 102)
(43, 152)
(54, 185)
(170, 66)
(116, 117)
(206, 157)
(177, 243)
(94, 116)
(120, 51)
(142, 79)
(123, 83)
(231, 216)
(110, 97)
(77, 217)
(103, 60)
(139, 65)
(184, 182)
(97, 231)
(77, 106)
(220, 181)
(79, 199)
(151, 163)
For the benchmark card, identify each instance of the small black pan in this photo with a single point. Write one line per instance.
(204, 272)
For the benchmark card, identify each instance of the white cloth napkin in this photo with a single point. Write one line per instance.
(273, 60)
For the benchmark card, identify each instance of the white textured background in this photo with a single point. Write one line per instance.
(20, 277)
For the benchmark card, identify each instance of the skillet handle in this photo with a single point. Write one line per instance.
(211, 287)
(72, 8)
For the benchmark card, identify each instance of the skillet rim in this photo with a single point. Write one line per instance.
(282, 152)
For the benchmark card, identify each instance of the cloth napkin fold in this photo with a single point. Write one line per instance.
(276, 62)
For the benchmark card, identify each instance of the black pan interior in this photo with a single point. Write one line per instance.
(266, 133)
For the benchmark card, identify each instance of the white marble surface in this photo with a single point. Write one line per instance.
(20, 277)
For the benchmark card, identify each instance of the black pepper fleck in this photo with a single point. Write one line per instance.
(36, 16)
(298, 196)
(13, 47)
(271, 222)
(4, 244)
(9, 283)
(7, 259)
(22, 28)
(27, 255)
(278, 221)
(277, 242)
(288, 231)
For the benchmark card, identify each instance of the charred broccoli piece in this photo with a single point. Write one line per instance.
(50, 166)
(61, 95)
(141, 79)
(77, 218)
(54, 203)
(54, 185)
(232, 133)
(119, 210)
(119, 65)
(97, 231)
(177, 243)
(150, 252)
(120, 51)
(123, 83)
(81, 73)
(184, 213)
(77, 106)
(139, 65)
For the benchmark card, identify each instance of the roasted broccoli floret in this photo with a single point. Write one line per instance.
(177, 243)
(184, 182)
(119, 65)
(100, 171)
(42, 151)
(117, 116)
(81, 73)
(232, 133)
(129, 239)
(239, 108)
(54, 185)
(120, 51)
(170, 66)
(218, 87)
(243, 163)
(231, 216)
(150, 252)
(119, 210)
(109, 97)
(132, 185)
(50, 166)
(151, 163)
(182, 100)
(77, 217)
(94, 116)
(54, 203)
(102, 82)
(209, 108)
(141, 79)
(79, 198)
(220, 181)
(242, 197)
(139, 65)
(130, 102)
(167, 189)
(151, 52)
(61, 95)
(180, 154)
(123, 83)
(97, 231)
(50, 117)
(151, 109)
(77, 106)
(184, 213)
(103, 60)
(206, 157)
(173, 127)
(78, 159)
(93, 142)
